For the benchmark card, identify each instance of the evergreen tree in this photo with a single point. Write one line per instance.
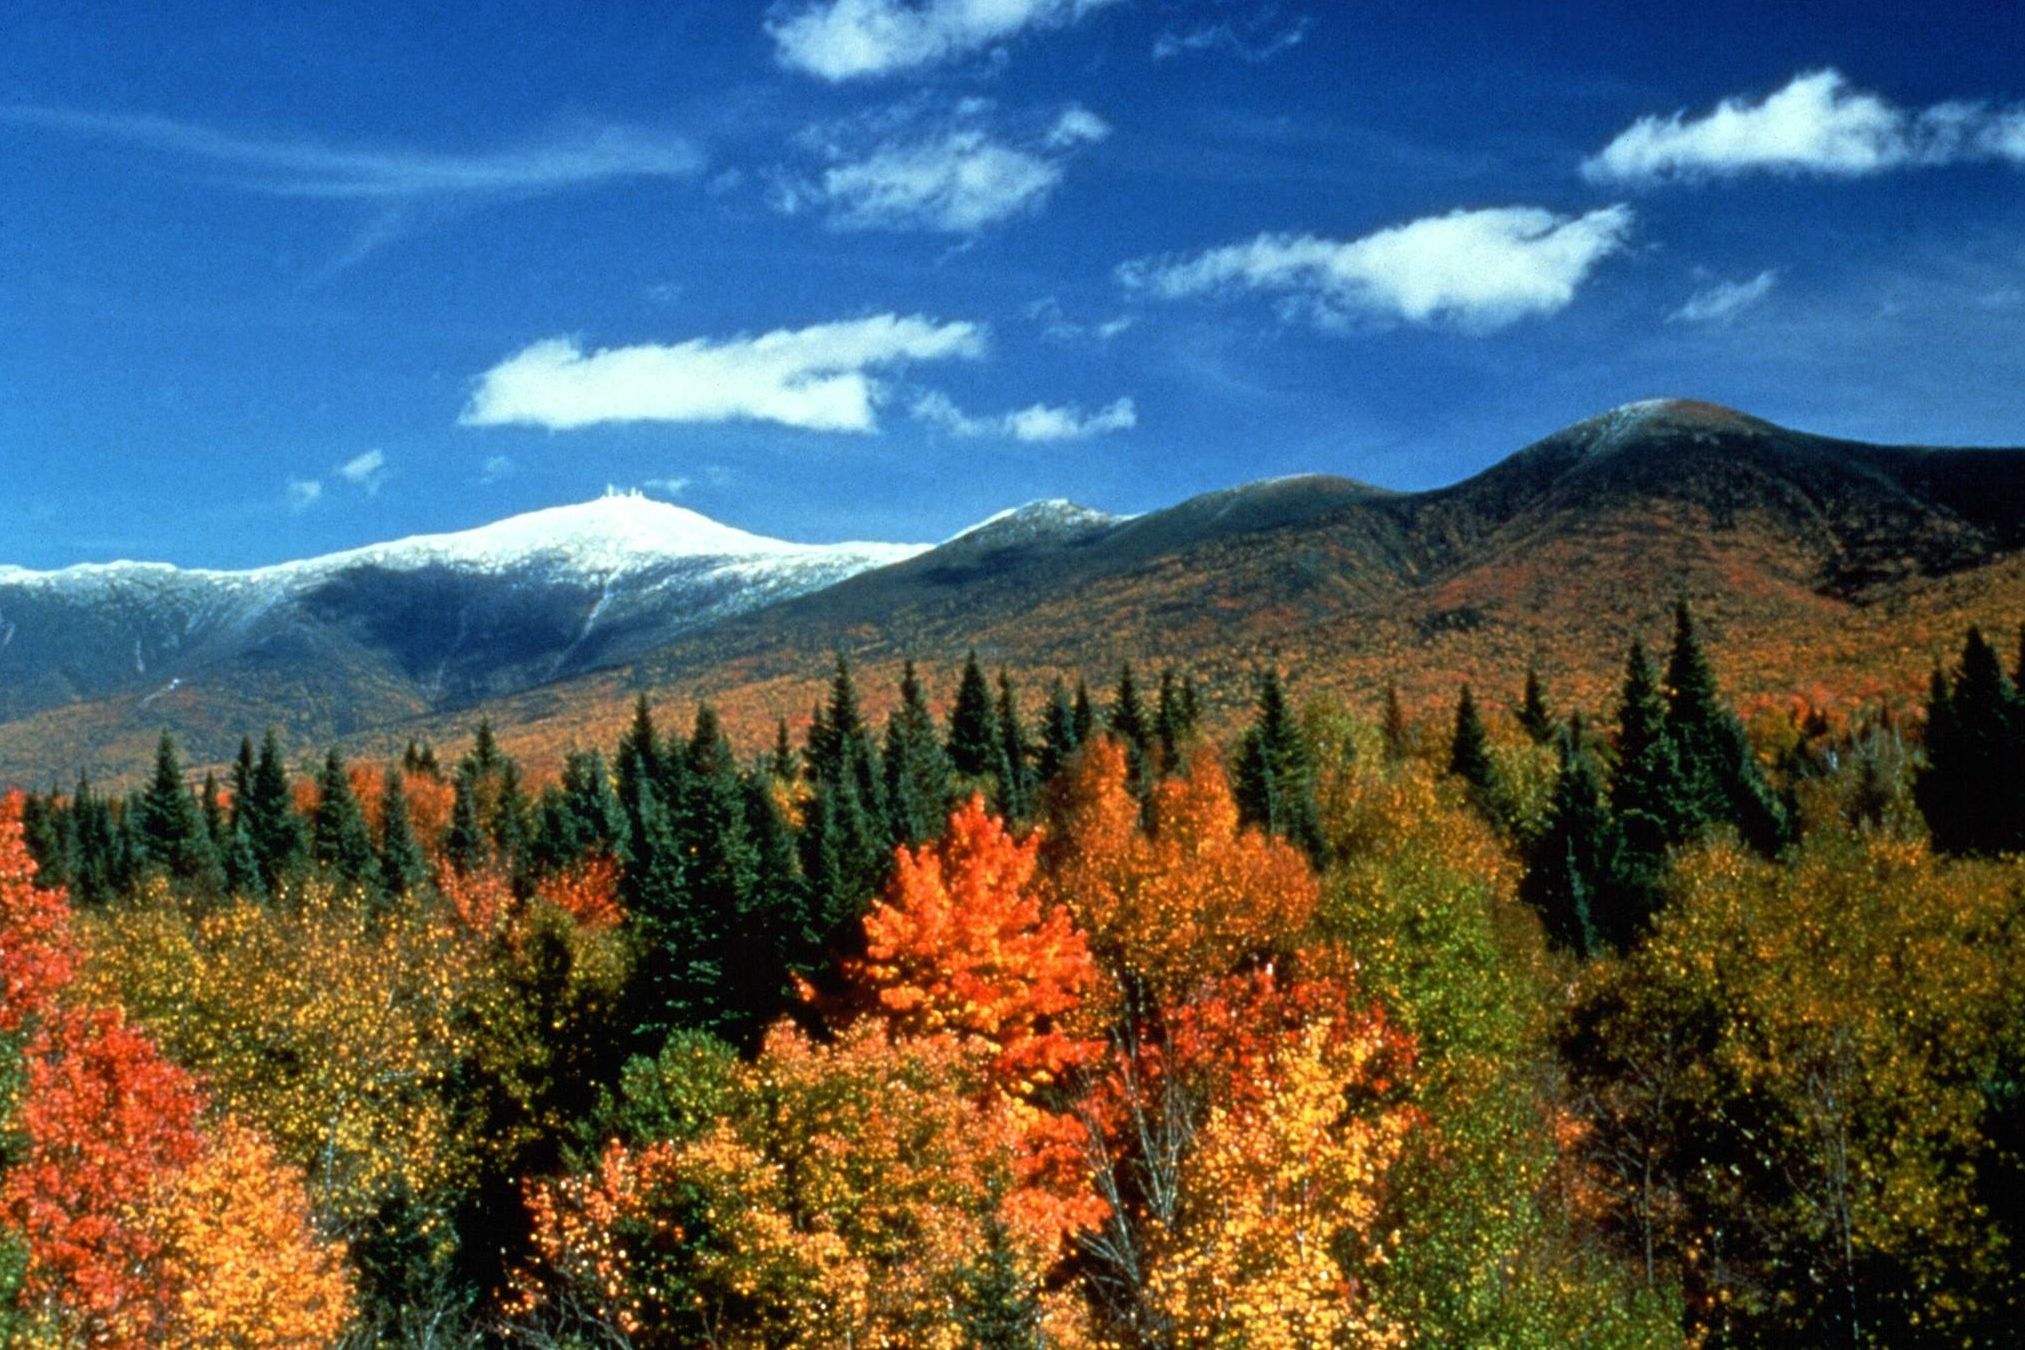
(778, 936)
(97, 864)
(1016, 789)
(1535, 717)
(1058, 732)
(848, 795)
(580, 817)
(1469, 754)
(268, 810)
(340, 841)
(485, 754)
(916, 768)
(1574, 860)
(1645, 799)
(169, 827)
(211, 806)
(782, 764)
(1720, 780)
(1174, 719)
(1393, 729)
(1275, 785)
(419, 760)
(465, 846)
(512, 826)
(999, 1306)
(974, 745)
(718, 876)
(1082, 716)
(1972, 788)
(1127, 720)
(403, 866)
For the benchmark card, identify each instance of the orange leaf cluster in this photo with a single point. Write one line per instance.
(37, 955)
(588, 893)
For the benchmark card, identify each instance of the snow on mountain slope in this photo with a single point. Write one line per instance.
(451, 616)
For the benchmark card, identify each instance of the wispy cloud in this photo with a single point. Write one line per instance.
(1039, 423)
(1472, 270)
(840, 40)
(302, 493)
(365, 472)
(1817, 124)
(575, 156)
(667, 487)
(1260, 36)
(820, 378)
(495, 468)
(1057, 326)
(1714, 304)
(958, 179)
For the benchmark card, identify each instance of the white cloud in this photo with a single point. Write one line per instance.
(1077, 126)
(667, 487)
(956, 180)
(303, 493)
(495, 468)
(1817, 124)
(1253, 40)
(817, 378)
(1036, 424)
(1475, 270)
(855, 39)
(1713, 304)
(569, 157)
(365, 472)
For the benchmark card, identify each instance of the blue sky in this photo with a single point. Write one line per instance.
(274, 282)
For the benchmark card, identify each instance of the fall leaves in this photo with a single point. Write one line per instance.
(146, 1219)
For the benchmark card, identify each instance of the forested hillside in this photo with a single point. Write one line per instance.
(1035, 1015)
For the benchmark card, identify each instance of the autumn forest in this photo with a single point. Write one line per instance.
(1037, 1018)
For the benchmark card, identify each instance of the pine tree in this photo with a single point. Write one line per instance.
(1574, 860)
(1469, 755)
(1016, 791)
(580, 817)
(1645, 799)
(974, 745)
(1535, 717)
(776, 936)
(211, 806)
(718, 876)
(465, 846)
(512, 825)
(340, 841)
(1127, 720)
(1082, 717)
(1174, 720)
(169, 828)
(1058, 732)
(999, 1306)
(1972, 788)
(1720, 780)
(848, 795)
(782, 765)
(1275, 786)
(916, 768)
(1394, 729)
(268, 809)
(403, 866)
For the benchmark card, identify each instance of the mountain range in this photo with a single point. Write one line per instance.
(1825, 568)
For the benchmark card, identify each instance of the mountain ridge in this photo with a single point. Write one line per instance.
(1576, 538)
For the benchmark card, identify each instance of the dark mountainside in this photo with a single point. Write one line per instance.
(1554, 556)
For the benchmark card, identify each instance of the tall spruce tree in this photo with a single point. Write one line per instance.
(340, 841)
(1972, 787)
(974, 745)
(272, 825)
(466, 846)
(916, 768)
(404, 868)
(718, 876)
(777, 937)
(1469, 754)
(847, 850)
(1276, 773)
(1573, 861)
(1175, 716)
(1720, 780)
(1082, 715)
(1059, 740)
(169, 827)
(1393, 728)
(1016, 790)
(1646, 800)
(1126, 719)
(1536, 719)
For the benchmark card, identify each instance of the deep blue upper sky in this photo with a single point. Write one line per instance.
(274, 282)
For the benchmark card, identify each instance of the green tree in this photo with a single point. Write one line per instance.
(1972, 788)
(1720, 780)
(268, 809)
(169, 825)
(340, 841)
(1059, 738)
(916, 767)
(1574, 859)
(404, 868)
(1275, 781)
(1016, 792)
(1469, 755)
(1536, 719)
